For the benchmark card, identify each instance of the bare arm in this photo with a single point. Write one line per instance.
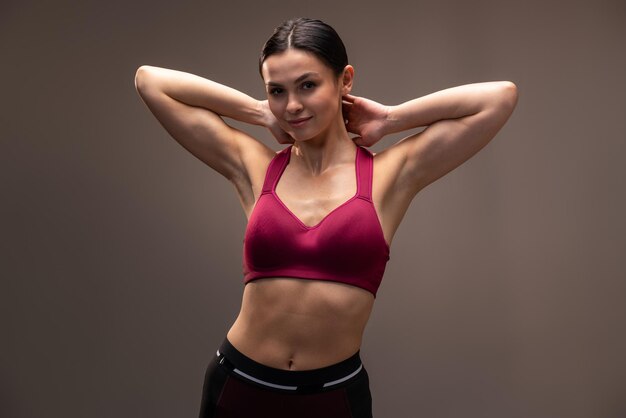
(460, 121)
(190, 107)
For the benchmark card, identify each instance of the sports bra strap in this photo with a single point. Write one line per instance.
(364, 163)
(274, 169)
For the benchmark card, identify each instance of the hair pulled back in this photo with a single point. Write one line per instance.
(310, 35)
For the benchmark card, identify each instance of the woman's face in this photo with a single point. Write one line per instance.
(303, 93)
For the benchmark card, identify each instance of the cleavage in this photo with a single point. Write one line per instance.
(311, 204)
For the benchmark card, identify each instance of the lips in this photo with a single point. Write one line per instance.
(296, 123)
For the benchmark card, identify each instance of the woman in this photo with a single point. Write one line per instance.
(321, 212)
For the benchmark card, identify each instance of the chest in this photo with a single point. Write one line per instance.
(312, 199)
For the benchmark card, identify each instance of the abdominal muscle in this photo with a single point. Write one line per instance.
(299, 324)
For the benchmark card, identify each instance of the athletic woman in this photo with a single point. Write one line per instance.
(322, 211)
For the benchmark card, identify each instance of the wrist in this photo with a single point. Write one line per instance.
(391, 122)
(264, 116)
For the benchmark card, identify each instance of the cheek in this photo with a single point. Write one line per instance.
(275, 107)
(327, 104)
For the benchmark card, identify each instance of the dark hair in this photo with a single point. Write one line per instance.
(311, 35)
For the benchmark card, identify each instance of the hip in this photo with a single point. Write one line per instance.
(237, 386)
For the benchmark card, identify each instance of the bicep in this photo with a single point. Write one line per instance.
(200, 131)
(447, 144)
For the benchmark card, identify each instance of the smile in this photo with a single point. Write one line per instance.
(296, 123)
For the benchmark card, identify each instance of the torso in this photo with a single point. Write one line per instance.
(297, 324)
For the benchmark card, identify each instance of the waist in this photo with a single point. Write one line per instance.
(329, 377)
(297, 324)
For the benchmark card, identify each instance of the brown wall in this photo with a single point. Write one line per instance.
(121, 252)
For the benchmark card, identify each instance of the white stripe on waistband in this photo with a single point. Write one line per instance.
(274, 385)
(263, 382)
(343, 379)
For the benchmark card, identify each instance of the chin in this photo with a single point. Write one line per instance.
(301, 138)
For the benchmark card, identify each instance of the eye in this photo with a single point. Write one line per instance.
(308, 85)
(275, 91)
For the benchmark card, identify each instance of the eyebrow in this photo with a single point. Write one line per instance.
(296, 81)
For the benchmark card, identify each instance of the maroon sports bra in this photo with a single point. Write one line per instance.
(346, 246)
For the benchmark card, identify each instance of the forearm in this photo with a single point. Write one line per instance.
(452, 103)
(200, 92)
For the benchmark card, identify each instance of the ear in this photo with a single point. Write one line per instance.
(347, 77)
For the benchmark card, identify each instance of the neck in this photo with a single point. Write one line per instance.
(325, 151)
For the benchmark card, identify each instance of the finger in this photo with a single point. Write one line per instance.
(348, 98)
(287, 139)
(358, 140)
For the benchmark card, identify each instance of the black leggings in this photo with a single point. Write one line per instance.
(236, 386)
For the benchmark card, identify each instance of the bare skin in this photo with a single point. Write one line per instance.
(297, 324)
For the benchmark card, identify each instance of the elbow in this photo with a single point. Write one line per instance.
(508, 95)
(141, 76)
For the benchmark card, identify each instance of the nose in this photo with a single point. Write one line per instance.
(294, 105)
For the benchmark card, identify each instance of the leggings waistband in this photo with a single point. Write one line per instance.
(329, 377)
